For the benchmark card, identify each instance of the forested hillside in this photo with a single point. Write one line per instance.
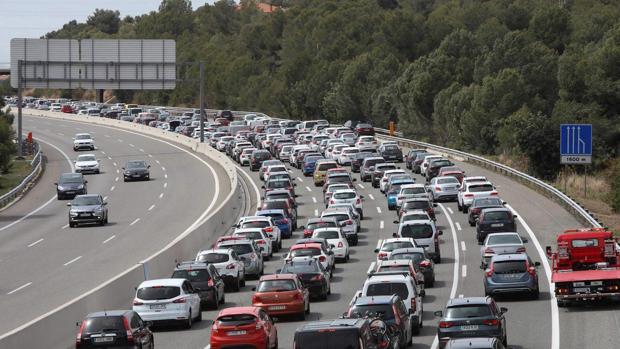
(495, 76)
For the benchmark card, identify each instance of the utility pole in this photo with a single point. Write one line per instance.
(202, 102)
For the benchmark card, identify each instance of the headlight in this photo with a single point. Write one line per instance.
(81, 186)
(73, 213)
(61, 188)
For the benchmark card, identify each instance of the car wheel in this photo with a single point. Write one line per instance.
(235, 285)
(308, 308)
(536, 294)
(361, 215)
(472, 224)
(415, 329)
(275, 346)
(102, 222)
(430, 284)
(505, 342)
(243, 281)
(223, 300)
(458, 205)
(72, 225)
(106, 219)
(188, 322)
(199, 317)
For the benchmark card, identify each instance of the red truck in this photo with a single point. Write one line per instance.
(586, 266)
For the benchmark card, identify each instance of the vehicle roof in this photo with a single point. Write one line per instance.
(280, 211)
(277, 277)
(162, 282)
(392, 262)
(332, 324)
(412, 185)
(238, 310)
(375, 300)
(454, 302)
(409, 250)
(496, 209)
(417, 222)
(88, 196)
(109, 313)
(570, 235)
(396, 277)
(215, 250)
(316, 220)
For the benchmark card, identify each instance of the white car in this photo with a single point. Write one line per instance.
(346, 156)
(386, 246)
(409, 191)
(227, 263)
(56, 107)
(83, 141)
(413, 215)
(274, 169)
(385, 180)
(268, 226)
(348, 196)
(263, 240)
(334, 154)
(345, 219)
(425, 234)
(337, 241)
(331, 189)
(474, 190)
(473, 179)
(285, 152)
(221, 144)
(168, 300)
(313, 250)
(244, 157)
(368, 143)
(87, 163)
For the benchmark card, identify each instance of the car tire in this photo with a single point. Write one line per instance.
(223, 301)
(458, 205)
(235, 285)
(415, 329)
(465, 208)
(199, 317)
(72, 225)
(536, 294)
(275, 346)
(188, 323)
(437, 259)
(102, 222)
(505, 342)
(362, 215)
(472, 224)
(106, 219)
(307, 311)
(242, 283)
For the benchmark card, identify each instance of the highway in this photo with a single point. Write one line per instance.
(45, 263)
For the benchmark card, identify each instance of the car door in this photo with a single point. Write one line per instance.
(193, 296)
(269, 327)
(403, 315)
(140, 331)
(217, 281)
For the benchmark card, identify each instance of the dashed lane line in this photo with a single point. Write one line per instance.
(134, 221)
(463, 247)
(381, 224)
(308, 189)
(108, 239)
(458, 225)
(36, 242)
(161, 195)
(113, 187)
(73, 260)
(464, 271)
(450, 210)
(371, 197)
(151, 207)
(314, 199)
(19, 288)
(378, 209)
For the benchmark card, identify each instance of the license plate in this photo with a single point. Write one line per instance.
(70, 192)
(103, 339)
(582, 289)
(277, 307)
(495, 225)
(236, 333)
(469, 327)
(85, 214)
(158, 306)
(135, 176)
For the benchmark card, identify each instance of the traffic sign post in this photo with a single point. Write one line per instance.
(576, 143)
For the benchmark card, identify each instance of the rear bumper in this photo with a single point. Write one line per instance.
(588, 296)
(289, 308)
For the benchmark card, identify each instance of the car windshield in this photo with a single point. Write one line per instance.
(276, 286)
(413, 191)
(158, 292)
(415, 257)
(480, 188)
(391, 246)
(82, 137)
(135, 164)
(328, 234)
(487, 202)
(304, 252)
(86, 201)
(104, 323)
(385, 311)
(449, 180)
(255, 224)
(86, 158)
(496, 239)
(301, 268)
(213, 258)
(344, 195)
(240, 249)
(194, 275)
(497, 216)
(584, 243)
(391, 148)
(236, 320)
(417, 231)
(509, 267)
(71, 178)
(468, 311)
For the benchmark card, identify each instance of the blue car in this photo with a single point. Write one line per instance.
(393, 190)
(280, 219)
(310, 164)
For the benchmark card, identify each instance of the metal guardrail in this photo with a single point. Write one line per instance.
(36, 164)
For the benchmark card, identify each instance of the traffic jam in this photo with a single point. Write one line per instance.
(289, 263)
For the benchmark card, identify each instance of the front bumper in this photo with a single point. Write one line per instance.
(87, 169)
(86, 218)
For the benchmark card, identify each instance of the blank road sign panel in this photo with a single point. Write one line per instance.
(576, 143)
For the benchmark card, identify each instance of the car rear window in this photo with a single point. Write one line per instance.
(236, 320)
(255, 224)
(344, 195)
(277, 184)
(303, 252)
(213, 258)
(468, 311)
(339, 217)
(384, 310)
(450, 180)
(412, 191)
(503, 239)
(327, 166)
(240, 249)
(278, 196)
(387, 289)
(158, 292)
(391, 246)
(328, 234)
(417, 231)
(317, 225)
(480, 188)
(99, 324)
(416, 205)
(195, 275)
(300, 268)
(497, 216)
(415, 257)
(252, 235)
(276, 286)
(509, 267)
(487, 202)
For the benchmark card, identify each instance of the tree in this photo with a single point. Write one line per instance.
(551, 25)
(106, 21)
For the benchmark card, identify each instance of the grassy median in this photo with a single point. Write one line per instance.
(19, 170)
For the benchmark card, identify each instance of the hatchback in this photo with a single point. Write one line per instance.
(425, 234)
(163, 300)
(282, 294)
(227, 263)
(312, 274)
(511, 273)
(317, 223)
(114, 329)
(336, 334)
(480, 204)
(419, 256)
(69, 185)
(240, 327)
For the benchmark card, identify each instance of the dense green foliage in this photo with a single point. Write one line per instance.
(7, 148)
(495, 76)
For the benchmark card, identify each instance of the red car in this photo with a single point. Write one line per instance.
(282, 294)
(67, 109)
(452, 171)
(363, 129)
(222, 121)
(243, 326)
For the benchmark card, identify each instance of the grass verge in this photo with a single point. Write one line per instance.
(19, 170)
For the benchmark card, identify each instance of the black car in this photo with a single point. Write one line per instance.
(480, 204)
(391, 152)
(257, 158)
(495, 220)
(69, 185)
(411, 156)
(205, 280)
(226, 114)
(416, 164)
(471, 317)
(433, 168)
(312, 275)
(136, 170)
(358, 158)
(391, 309)
(114, 329)
(335, 334)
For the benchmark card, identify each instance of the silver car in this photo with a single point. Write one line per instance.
(501, 243)
(510, 273)
(444, 188)
(249, 253)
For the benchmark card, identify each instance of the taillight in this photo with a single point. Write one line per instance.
(425, 264)
(521, 250)
(437, 188)
(179, 301)
(469, 195)
(445, 324)
(359, 201)
(494, 193)
(210, 283)
(260, 242)
(230, 266)
(532, 271)
(317, 278)
(255, 299)
(340, 244)
(322, 259)
(307, 232)
(493, 322)
(489, 272)
(489, 251)
(475, 210)
(137, 302)
(268, 229)
(331, 202)
(78, 338)
(348, 222)
(298, 296)
(413, 304)
(382, 255)
(128, 331)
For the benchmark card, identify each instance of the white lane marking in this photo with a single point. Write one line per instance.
(378, 209)
(113, 187)
(555, 319)
(116, 179)
(114, 163)
(463, 247)
(108, 239)
(105, 198)
(299, 179)
(371, 197)
(163, 168)
(36, 242)
(361, 185)
(73, 260)
(52, 199)
(460, 296)
(150, 155)
(61, 134)
(157, 161)
(107, 136)
(152, 207)
(19, 288)
(102, 152)
(381, 224)
(120, 140)
(131, 145)
(134, 221)
(161, 195)
(109, 158)
(464, 270)
(142, 150)
(65, 226)
(308, 189)
(166, 185)
(316, 212)
(458, 225)
(118, 171)
(455, 271)
(450, 210)
(165, 175)
(314, 199)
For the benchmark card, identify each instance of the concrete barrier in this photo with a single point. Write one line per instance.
(56, 329)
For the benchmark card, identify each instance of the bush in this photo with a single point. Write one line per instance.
(615, 190)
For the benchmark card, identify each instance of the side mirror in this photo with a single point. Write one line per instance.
(361, 196)
(149, 166)
(332, 246)
(503, 310)
(438, 313)
(394, 235)
(197, 289)
(440, 232)
(354, 179)
(85, 182)
(294, 184)
(423, 293)
(434, 205)
(77, 324)
(68, 204)
(514, 216)
(262, 187)
(523, 239)
(548, 251)
(56, 183)
(396, 222)
(278, 271)
(253, 288)
(376, 250)
(537, 264)
(105, 204)
(122, 168)
(503, 202)
(149, 323)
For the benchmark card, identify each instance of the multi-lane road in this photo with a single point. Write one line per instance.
(45, 264)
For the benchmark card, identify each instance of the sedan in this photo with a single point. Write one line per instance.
(501, 243)
(89, 208)
(444, 188)
(136, 170)
(495, 220)
(87, 163)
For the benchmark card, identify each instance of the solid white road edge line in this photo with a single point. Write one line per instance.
(555, 317)
(455, 271)
(19, 288)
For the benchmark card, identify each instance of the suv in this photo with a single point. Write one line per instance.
(335, 334)
(474, 190)
(391, 309)
(471, 317)
(495, 220)
(205, 279)
(89, 208)
(114, 328)
(480, 204)
(507, 273)
(418, 256)
(425, 234)
(368, 167)
(69, 185)
(83, 141)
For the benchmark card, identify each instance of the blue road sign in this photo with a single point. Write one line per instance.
(576, 143)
